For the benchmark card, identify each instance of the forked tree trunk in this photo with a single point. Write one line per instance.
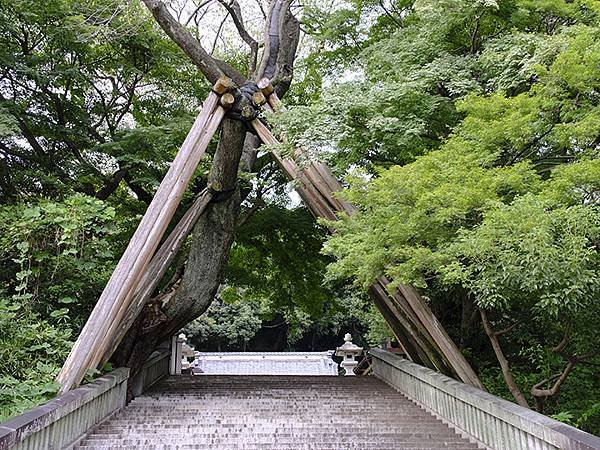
(214, 232)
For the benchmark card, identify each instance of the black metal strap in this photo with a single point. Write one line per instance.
(221, 196)
(244, 109)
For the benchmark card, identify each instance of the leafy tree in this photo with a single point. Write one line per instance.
(56, 257)
(74, 79)
(490, 111)
(225, 326)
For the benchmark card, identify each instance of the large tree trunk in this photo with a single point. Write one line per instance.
(212, 239)
(213, 235)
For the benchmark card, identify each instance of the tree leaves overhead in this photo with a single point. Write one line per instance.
(469, 136)
(75, 76)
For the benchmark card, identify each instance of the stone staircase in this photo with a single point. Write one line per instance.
(273, 412)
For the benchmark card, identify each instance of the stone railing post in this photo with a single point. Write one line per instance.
(176, 354)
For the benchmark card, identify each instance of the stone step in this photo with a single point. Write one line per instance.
(293, 440)
(441, 430)
(277, 437)
(252, 419)
(273, 413)
(295, 446)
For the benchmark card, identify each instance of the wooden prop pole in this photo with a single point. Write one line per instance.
(94, 338)
(311, 196)
(155, 271)
(161, 225)
(412, 318)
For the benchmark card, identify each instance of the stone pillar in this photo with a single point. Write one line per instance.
(176, 354)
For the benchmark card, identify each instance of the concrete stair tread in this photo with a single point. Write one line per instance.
(273, 413)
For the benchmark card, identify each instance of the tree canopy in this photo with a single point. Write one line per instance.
(466, 134)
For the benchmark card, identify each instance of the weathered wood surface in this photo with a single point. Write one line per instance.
(406, 312)
(156, 269)
(110, 309)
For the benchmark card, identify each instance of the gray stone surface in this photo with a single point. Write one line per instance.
(64, 419)
(267, 363)
(495, 422)
(153, 370)
(273, 413)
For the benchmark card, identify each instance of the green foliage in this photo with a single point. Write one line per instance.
(56, 255)
(56, 258)
(468, 132)
(542, 258)
(490, 112)
(275, 261)
(228, 325)
(31, 352)
(74, 80)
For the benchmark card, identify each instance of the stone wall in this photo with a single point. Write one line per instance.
(64, 420)
(494, 422)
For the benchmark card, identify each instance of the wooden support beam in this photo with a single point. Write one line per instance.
(94, 339)
(457, 361)
(309, 193)
(378, 295)
(155, 271)
(426, 348)
(405, 311)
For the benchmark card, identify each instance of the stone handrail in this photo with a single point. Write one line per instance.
(65, 419)
(153, 370)
(491, 421)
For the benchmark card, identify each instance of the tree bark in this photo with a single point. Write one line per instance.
(212, 239)
(214, 232)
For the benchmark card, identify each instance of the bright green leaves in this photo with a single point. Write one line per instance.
(577, 66)
(548, 16)
(497, 154)
(512, 128)
(530, 255)
(56, 249)
(409, 212)
(575, 184)
(556, 120)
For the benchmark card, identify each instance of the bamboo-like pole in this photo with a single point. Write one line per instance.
(155, 271)
(439, 334)
(311, 196)
(94, 338)
(161, 225)
(428, 342)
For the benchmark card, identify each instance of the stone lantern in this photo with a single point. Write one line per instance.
(349, 352)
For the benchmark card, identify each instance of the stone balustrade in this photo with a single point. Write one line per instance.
(65, 419)
(265, 363)
(492, 421)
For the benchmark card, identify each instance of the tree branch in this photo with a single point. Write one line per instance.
(111, 184)
(540, 395)
(218, 34)
(506, 372)
(138, 190)
(200, 6)
(233, 7)
(209, 66)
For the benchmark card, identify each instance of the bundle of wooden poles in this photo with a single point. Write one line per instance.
(143, 263)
